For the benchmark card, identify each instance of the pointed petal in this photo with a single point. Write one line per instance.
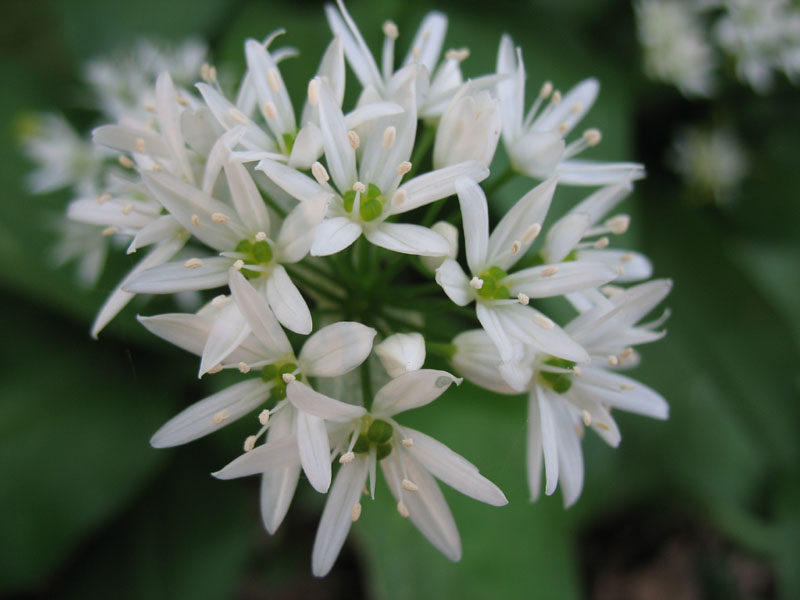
(533, 452)
(525, 325)
(574, 105)
(279, 484)
(453, 469)
(199, 419)
(246, 198)
(320, 405)
(437, 184)
(571, 276)
(307, 147)
(258, 315)
(475, 215)
(369, 112)
(340, 155)
(275, 454)
(334, 235)
(336, 349)
(428, 41)
(549, 441)
(585, 172)
(312, 442)
(336, 519)
(293, 182)
(169, 123)
(490, 319)
(401, 353)
(270, 88)
(298, 229)
(355, 48)
(454, 282)
(175, 277)
(162, 228)
(632, 396)
(570, 456)
(230, 117)
(634, 265)
(229, 330)
(564, 235)
(408, 239)
(287, 303)
(412, 390)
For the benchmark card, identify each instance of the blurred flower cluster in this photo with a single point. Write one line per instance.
(355, 229)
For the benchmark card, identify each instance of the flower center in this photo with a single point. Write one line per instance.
(274, 373)
(256, 253)
(371, 202)
(559, 382)
(377, 433)
(492, 288)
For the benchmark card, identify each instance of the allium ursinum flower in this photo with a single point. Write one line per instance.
(676, 48)
(123, 84)
(330, 352)
(564, 397)
(435, 83)
(713, 161)
(536, 142)
(469, 129)
(241, 232)
(367, 169)
(501, 297)
(763, 36)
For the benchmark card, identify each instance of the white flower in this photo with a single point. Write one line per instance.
(368, 190)
(501, 298)
(332, 351)
(401, 352)
(563, 397)
(676, 48)
(469, 129)
(535, 142)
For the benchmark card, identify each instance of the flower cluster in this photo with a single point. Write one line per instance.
(343, 227)
(684, 41)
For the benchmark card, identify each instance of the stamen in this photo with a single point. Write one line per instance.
(208, 73)
(274, 80)
(215, 369)
(140, 147)
(126, 162)
(415, 52)
(110, 231)
(195, 220)
(407, 442)
(261, 236)
(389, 136)
(549, 271)
(576, 108)
(220, 218)
(603, 426)
(409, 485)
(627, 257)
(288, 378)
(587, 417)
(355, 512)
(556, 99)
(238, 116)
(149, 108)
(618, 224)
(460, 54)
(390, 30)
(127, 209)
(601, 243)
(577, 371)
(620, 269)
(250, 443)
(181, 100)
(313, 92)
(531, 233)
(476, 282)
(359, 187)
(627, 386)
(353, 138)
(592, 137)
(270, 111)
(157, 168)
(347, 457)
(547, 89)
(220, 300)
(563, 128)
(399, 197)
(103, 198)
(403, 168)
(523, 299)
(611, 290)
(243, 367)
(613, 360)
(263, 417)
(402, 509)
(543, 321)
(515, 247)
(238, 264)
(193, 263)
(320, 173)
(221, 416)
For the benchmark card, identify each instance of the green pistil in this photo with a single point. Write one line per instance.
(371, 202)
(288, 141)
(492, 289)
(559, 382)
(377, 434)
(274, 373)
(259, 252)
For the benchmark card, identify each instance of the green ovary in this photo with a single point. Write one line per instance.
(274, 373)
(259, 252)
(377, 433)
(371, 203)
(559, 382)
(492, 288)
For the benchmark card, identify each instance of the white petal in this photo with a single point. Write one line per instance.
(408, 239)
(635, 266)
(287, 303)
(279, 484)
(119, 298)
(428, 41)
(228, 332)
(334, 235)
(427, 508)
(320, 405)
(258, 315)
(331, 69)
(454, 282)
(401, 353)
(198, 420)
(412, 390)
(529, 210)
(293, 182)
(510, 91)
(124, 138)
(259, 63)
(453, 469)
(336, 519)
(246, 198)
(521, 323)
(162, 228)
(110, 213)
(475, 215)
(355, 48)
(298, 229)
(275, 454)
(336, 349)
(169, 123)
(603, 201)
(477, 359)
(584, 172)
(254, 137)
(510, 350)
(437, 184)
(571, 276)
(632, 396)
(174, 277)
(537, 153)
(574, 105)
(312, 442)
(534, 447)
(340, 155)
(369, 112)
(307, 147)
(549, 441)
(564, 236)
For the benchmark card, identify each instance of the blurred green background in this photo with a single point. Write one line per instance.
(706, 505)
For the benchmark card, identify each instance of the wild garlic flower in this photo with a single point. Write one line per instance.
(535, 141)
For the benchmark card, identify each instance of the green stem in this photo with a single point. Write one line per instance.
(315, 286)
(421, 149)
(366, 384)
(275, 206)
(433, 212)
(500, 181)
(444, 350)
